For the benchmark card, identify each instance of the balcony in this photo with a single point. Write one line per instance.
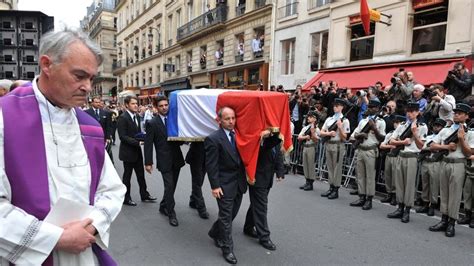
(260, 3)
(203, 23)
(240, 10)
(203, 64)
(119, 67)
(190, 69)
(158, 48)
(220, 62)
(288, 10)
(239, 58)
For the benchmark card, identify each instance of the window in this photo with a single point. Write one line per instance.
(190, 11)
(158, 74)
(170, 30)
(254, 76)
(189, 60)
(178, 65)
(239, 47)
(7, 41)
(317, 3)
(362, 47)
(6, 25)
(288, 57)
(178, 18)
(203, 57)
(30, 58)
(235, 78)
(29, 42)
(143, 78)
(136, 79)
(319, 50)
(29, 25)
(220, 80)
(429, 29)
(9, 74)
(219, 53)
(8, 58)
(30, 75)
(290, 8)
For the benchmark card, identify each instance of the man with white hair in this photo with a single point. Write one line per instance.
(63, 149)
(5, 86)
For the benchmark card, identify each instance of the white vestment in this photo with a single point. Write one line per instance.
(24, 239)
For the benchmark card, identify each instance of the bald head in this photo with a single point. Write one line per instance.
(226, 117)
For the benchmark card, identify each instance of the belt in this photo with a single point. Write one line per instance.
(368, 148)
(408, 155)
(430, 160)
(334, 142)
(309, 145)
(454, 160)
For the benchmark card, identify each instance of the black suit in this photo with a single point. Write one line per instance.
(169, 159)
(105, 120)
(225, 170)
(196, 160)
(130, 153)
(270, 161)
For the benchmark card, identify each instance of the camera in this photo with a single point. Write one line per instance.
(394, 80)
(361, 93)
(429, 94)
(453, 72)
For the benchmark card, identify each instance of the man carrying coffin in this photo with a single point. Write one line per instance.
(62, 147)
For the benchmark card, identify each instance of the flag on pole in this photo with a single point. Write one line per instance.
(365, 16)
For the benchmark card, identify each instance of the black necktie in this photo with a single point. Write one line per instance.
(166, 121)
(232, 140)
(135, 119)
(97, 114)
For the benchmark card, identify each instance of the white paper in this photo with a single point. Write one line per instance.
(66, 211)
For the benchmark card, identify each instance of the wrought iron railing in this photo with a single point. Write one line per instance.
(206, 20)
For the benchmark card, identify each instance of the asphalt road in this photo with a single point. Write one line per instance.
(307, 229)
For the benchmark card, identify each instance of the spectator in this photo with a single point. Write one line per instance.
(240, 48)
(411, 77)
(379, 86)
(5, 85)
(256, 45)
(401, 88)
(372, 94)
(458, 82)
(417, 96)
(280, 88)
(389, 115)
(262, 42)
(362, 103)
(297, 111)
(321, 111)
(445, 103)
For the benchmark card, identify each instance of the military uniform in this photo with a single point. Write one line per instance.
(406, 167)
(335, 151)
(309, 154)
(389, 173)
(468, 193)
(367, 153)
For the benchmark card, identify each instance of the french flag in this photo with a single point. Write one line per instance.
(193, 116)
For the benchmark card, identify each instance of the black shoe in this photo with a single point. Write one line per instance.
(354, 192)
(398, 213)
(441, 226)
(358, 203)
(203, 214)
(450, 232)
(218, 243)
(192, 205)
(471, 224)
(268, 244)
(327, 193)
(431, 211)
(387, 199)
(229, 257)
(406, 215)
(129, 202)
(173, 220)
(164, 211)
(423, 209)
(334, 194)
(466, 219)
(251, 233)
(308, 187)
(304, 185)
(394, 200)
(368, 204)
(149, 199)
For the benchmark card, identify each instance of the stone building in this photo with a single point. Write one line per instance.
(8, 4)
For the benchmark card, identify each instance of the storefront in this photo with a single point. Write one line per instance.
(175, 84)
(148, 94)
(247, 77)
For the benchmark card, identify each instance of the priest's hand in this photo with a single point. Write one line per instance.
(75, 237)
(217, 193)
(149, 168)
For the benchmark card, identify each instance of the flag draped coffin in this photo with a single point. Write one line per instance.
(193, 116)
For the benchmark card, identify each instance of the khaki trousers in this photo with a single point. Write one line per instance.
(430, 181)
(334, 159)
(309, 153)
(468, 191)
(366, 171)
(451, 183)
(389, 172)
(405, 179)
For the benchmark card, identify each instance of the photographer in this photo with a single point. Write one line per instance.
(321, 112)
(458, 82)
(445, 103)
(401, 88)
(389, 115)
(298, 108)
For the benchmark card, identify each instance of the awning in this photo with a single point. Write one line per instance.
(175, 84)
(426, 72)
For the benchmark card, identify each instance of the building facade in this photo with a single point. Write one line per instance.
(176, 44)
(8, 4)
(101, 24)
(300, 41)
(20, 34)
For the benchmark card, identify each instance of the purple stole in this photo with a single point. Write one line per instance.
(24, 142)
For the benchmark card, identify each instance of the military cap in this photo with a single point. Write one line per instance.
(340, 101)
(440, 122)
(399, 118)
(462, 107)
(374, 103)
(413, 105)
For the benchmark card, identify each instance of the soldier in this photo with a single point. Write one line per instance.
(369, 132)
(309, 137)
(430, 167)
(410, 135)
(468, 193)
(453, 170)
(390, 167)
(335, 129)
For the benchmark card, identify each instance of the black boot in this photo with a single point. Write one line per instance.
(466, 219)
(450, 229)
(334, 194)
(398, 213)
(423, 209)
(325, 194)
(368, 203)
(358, 203)
(304, 185)
(441, 226)
(309, 185)
(406, 215)
(394, 200)
(431, 209)
(471, 224)
(387, 199)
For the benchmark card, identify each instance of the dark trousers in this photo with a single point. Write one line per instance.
(139, 172)
(222, 228)
(257, 212)
(170, 179)
(114, 129)
(197, 178)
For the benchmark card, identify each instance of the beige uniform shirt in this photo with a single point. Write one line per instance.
(371, 139)
(345, 125)
(446, 132)
(303, 131)
(412, 148)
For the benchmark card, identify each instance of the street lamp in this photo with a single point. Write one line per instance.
(150, 38)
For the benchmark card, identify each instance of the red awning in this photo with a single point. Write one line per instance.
(360, 77)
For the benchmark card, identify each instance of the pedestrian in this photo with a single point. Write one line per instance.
(197, 164)
(130, 151)
(226, 174)
(369, 133)
(335, 131)
(453, 170)
(62, 148)
(415, 133)
(308, 137)
(169, 157)
(104, 118)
